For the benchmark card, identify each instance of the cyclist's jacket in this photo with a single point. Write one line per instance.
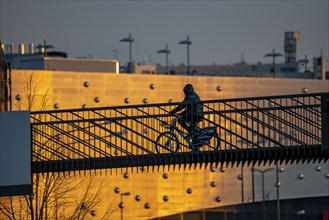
(192, 104)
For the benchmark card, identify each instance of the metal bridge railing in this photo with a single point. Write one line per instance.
(251, 126)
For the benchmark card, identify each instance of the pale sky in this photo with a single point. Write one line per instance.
(220, 31)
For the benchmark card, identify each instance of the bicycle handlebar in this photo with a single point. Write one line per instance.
(174, 114)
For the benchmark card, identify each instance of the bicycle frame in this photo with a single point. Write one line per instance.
(199, 138)
(187, 138)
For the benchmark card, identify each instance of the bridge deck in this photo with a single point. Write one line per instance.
(184, 160)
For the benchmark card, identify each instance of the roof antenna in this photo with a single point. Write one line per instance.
(321, 52)
(242, 60)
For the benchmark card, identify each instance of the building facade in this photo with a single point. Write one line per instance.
(203, 193)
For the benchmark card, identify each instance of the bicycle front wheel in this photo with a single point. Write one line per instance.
(216, 142)
(166, 143)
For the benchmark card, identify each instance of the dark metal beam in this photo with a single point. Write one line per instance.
(188, 160)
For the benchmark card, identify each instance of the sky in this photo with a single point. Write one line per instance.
(221, 31)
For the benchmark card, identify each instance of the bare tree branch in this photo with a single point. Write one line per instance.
(54, 196)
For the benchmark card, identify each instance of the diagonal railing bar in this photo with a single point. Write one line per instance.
(89, 139)
(156, 117)
(303, 119)
(126, 139)
(305, 131)
(59, 142)
(46, 148)
(297, 128)
(135, 132)
(88, 120)
(261, 98)
(238, 136)
(66, 146)
(274, 128)
(299, 103)
(305, 110)
(247, 128)
(229, 143)
(43, 145)
(234, 121)
(79, 128)
(284, 122)
(127, 116)
(39, 157)
(299, 116)
(49, 150)
(273, 116)
(225, 111)
(101, 138)
(94, 136)
(63, 144)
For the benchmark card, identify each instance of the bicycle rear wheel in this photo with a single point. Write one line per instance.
(166, 143)
(213, 143)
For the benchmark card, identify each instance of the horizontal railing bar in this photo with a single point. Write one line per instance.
(166, 115)
(175, 103)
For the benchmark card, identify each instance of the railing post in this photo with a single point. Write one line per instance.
(325, 125)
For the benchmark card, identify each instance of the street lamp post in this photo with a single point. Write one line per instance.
(263, 186)
(166, 51)
(130, 40)
(253, 187)
(277, 191)
(273, 54)
(187, 42)
(241, 177)
(121, 202)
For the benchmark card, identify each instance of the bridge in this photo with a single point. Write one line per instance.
(289, 128)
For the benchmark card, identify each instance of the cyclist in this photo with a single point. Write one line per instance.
(193, 110)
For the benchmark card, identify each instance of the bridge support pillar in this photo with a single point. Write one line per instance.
(15, 153)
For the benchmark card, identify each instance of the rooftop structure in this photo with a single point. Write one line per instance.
(291, 39)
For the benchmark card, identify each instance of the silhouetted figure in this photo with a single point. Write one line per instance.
(193, 110)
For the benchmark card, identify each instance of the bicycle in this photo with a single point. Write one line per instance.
(167, 142)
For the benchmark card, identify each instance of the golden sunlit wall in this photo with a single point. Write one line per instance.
(75, 89)
(154, 194)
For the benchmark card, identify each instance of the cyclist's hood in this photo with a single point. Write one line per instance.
(188, 89)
